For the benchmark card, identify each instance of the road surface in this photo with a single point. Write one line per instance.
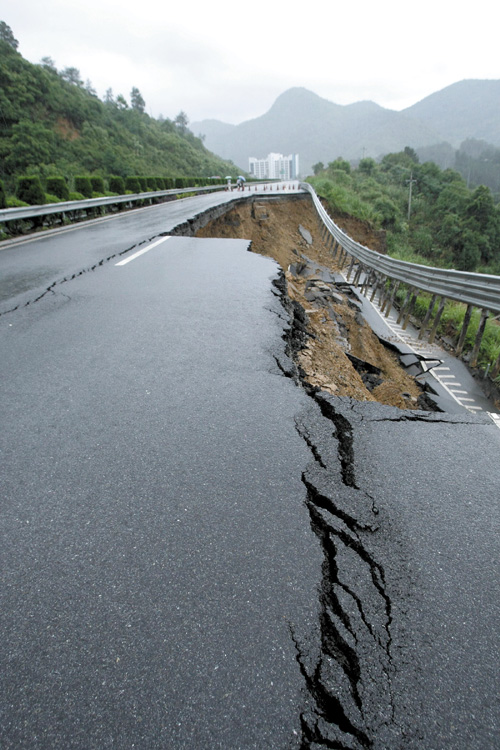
(196, 550)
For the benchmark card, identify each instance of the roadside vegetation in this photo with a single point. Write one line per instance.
(429, 216)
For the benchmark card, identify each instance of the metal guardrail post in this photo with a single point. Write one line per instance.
(392, 298)
(437, 319)
(387, 295)
(479, 336)
(428, 315)
(353, 261)
(411, 305)
(357, 275)
(495, 372)
(375, 286)
(463, 332)
(404, 305)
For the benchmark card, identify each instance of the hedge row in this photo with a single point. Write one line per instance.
(32, 191)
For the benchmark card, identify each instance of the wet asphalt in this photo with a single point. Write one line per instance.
(197, 551)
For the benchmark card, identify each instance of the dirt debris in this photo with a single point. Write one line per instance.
(342, 355)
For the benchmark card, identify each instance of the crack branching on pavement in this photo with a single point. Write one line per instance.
(51, 289)
(348, 683)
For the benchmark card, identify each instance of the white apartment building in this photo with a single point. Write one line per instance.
(275, 167)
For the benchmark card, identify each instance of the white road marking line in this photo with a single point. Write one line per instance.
(141, 252)
(455, 392)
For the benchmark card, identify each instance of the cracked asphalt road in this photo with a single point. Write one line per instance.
(197, 551)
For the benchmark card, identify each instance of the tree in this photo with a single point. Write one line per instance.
(411, 153)
(7, 36)
(108, 97)
(367, 165)
(340, 163)
(136, 101)
(121, 102)
(48, 63)
(467, 252)
(181, 121)
(481, 207)
(89, 88)
(318, 167)
(31, 144)
(72, 75)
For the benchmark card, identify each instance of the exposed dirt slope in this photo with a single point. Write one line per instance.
(333, 318)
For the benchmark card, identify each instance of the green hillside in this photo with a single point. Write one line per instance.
(53, 124)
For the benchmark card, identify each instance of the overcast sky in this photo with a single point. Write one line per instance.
(231, 60)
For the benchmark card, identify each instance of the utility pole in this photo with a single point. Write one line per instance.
(410, 181)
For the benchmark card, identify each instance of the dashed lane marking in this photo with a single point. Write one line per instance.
(141, 252)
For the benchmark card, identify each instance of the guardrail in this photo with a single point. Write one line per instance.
(33, 212)
(473, 289)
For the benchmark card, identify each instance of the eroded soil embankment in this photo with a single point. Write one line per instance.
(334, 322)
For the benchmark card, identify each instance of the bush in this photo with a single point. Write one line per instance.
(132, 184)
(116, 185)
(83, 185)
(57, 186)
(97, 185)
(29, 190)
(74, 196)
(13, 202)
(3, 197)
(169, 183)
(143, 183)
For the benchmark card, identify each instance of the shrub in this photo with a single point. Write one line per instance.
(13, 202)
(132, 184)
(83, 185)
(143, 183)
(57, 186)
(116, 185)
(74, 196)
(29, 190)
(3, 197)
(97, 184)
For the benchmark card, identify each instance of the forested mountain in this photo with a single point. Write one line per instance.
(318, 130)
(467, 109)
(53, 124)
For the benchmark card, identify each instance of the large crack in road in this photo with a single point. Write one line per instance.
(349, 680)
